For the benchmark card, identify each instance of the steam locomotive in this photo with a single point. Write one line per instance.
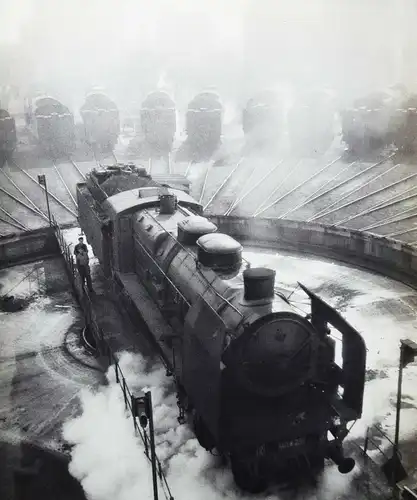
(259, 380)
(158, 122)
(204, 125)
(101, 121)
(375, 121)
(311, 122)
(52, 125)
(262, 119)
(8, 138)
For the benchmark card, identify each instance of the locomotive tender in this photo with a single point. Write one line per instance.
(259, 379)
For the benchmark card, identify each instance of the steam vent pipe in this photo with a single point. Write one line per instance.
(167, 204)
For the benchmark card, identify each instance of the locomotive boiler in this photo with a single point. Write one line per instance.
(311, 122)
(101, 121)
(258, 379)
(52, 125)
(8, 138)
(158, 123)
(204, 125)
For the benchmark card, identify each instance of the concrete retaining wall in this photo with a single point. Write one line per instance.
(383, 255)
(27, 247)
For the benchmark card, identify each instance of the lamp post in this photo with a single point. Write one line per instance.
(408, 351)
(142, 408)
(42, 182)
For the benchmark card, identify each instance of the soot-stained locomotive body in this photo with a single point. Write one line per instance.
(52, 125)
(158, 123)
(8, 138)
(204, 125)
(259, 380)
(262, 119)
(101, 121)
(311, 122)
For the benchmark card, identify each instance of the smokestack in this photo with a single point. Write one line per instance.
(259, 283)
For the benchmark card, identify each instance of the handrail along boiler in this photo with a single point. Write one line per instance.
(259, 379)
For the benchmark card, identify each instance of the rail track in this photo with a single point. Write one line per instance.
(378, 196)
(23, 204)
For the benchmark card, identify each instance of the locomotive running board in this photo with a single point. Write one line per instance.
(353, 354)
(136, 300)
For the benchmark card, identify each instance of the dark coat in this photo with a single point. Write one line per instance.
(80, 246)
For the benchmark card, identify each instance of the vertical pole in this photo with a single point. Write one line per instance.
(47, 203)
(124, 391)
(365, 446)
(148, 399)
(397, 418)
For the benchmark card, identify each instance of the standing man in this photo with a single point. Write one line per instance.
(81, 255)
(80, 246)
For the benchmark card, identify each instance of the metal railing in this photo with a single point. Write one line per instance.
(408, 494)
(373, 432)
(132, 402)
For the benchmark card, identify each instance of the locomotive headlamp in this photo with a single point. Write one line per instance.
(143, 420)
(140, 409)
(408, 352)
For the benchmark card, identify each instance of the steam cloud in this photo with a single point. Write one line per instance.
(109, 461)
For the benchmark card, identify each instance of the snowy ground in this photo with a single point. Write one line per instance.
(42, 364)
(110, 463)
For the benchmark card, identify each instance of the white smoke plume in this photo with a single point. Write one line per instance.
(109, 461)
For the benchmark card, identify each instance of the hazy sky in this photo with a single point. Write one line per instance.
(16, 12)
(236, 45)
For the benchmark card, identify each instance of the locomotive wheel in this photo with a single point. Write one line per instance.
(246, 477)
(202, 434)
